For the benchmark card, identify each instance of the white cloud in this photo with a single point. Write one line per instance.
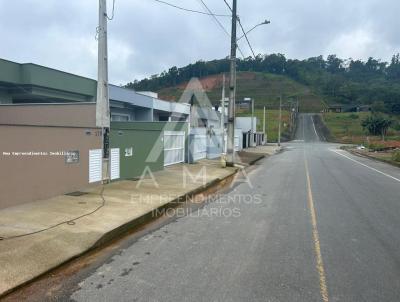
(146, 37)
(354, 44)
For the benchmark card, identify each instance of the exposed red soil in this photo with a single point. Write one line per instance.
(215, 81)
(208, 83)
(395, 144)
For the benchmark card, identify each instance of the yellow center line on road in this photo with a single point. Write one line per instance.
(317, 247)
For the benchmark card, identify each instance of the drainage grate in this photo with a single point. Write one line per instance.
(76, 193)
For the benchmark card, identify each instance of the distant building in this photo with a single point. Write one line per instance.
(338, 108)
(244, 104)
(335, 108)
(363, 108)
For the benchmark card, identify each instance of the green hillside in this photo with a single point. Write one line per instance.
(263, 87)
(338, 81)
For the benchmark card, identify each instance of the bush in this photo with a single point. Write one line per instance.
(376, 124)
(396, 156)
(376, 147)
(354, 116)
(396, 126)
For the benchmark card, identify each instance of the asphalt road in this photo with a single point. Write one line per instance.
(316, 224)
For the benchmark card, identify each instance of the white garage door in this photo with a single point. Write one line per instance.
(95, 165)
(174, 147)
(115, 166)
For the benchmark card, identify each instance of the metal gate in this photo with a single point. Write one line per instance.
(197, 144)
(174, 147)
(214, 144)
(238, 140)
(114, 164)
(95, 165)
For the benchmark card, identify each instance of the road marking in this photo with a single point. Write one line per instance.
(315, 130)
(360, 163)
(317, 247)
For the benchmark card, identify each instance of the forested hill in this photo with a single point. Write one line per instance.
(337, 80)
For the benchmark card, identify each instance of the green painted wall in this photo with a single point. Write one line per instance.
(10, 72)
(36, 75)
(46, 77)
(142, 137)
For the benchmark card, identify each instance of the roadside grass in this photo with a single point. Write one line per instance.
(346, 128)
(272, 122)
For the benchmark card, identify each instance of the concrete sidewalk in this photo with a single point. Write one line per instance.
(268, 149)
(40, 236)
(251, 155)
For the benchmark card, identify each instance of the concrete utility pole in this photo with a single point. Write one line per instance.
(102, 102)
(265, 135)
(232, 91)
(223, 113)
(280, 120)
(252, 124)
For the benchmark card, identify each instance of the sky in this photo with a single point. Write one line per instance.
(146, 37)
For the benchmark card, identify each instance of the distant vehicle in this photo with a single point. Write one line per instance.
(361, 147)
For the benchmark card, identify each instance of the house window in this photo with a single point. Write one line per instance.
(120, 117)
(128, 152)
(163, 118)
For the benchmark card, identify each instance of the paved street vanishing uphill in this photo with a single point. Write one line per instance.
(318, 224)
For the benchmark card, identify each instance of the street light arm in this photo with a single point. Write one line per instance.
(254, 27)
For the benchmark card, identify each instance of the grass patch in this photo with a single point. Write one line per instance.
(272, 122)
(346, 128)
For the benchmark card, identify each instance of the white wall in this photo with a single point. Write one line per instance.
(244, 123)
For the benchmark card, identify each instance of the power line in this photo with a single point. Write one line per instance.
(227, 4)
(215, 18)
(113, 9)
(240, 23)
(244, 33)
(220, 24)
(247, 39)
(191, 10)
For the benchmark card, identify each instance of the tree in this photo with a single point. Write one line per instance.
(354, 82)
(393, 70)
(377, 125)
(378, 106)
(334, 64)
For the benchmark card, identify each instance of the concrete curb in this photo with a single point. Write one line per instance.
(135, 223)
(252, 162)
(257, 159)
(149, 216)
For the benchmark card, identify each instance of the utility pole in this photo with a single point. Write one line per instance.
(265, 135)
(252, 124)
(223, 113)
(280, 120)
(102, 102)
(232, 91)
